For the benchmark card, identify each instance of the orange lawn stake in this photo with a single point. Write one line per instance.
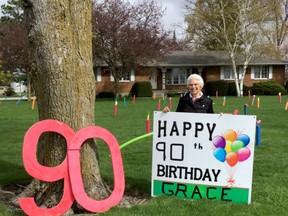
(286, 106)
(33, 102)
(258, 102)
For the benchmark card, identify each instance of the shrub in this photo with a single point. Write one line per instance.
(106, 95)
(141, 89)
(9, 92)
(286, 86)
(268, 88)
(213, 86)
(232, 91)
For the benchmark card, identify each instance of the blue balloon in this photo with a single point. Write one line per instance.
(220, 154)
(244, 138)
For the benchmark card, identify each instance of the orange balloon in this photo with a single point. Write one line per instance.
(232, 158)
(230, 135)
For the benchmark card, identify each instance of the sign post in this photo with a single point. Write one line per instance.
(203, 156)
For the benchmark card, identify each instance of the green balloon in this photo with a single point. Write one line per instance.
(236, 145)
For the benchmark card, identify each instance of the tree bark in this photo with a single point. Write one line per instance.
(60, 49)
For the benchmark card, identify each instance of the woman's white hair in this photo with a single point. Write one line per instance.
(196, 77)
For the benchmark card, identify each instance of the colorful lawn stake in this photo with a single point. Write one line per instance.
(154, 96)
(216, 94)
(159, 105)
(165, 100)
(258, 132)
(224, 101)
(33, 102)
(280, 97)
(249, 94)
(115, 107)
(148, 123)
(236, 112)
(245, 109)
(134, 98)
(286, 106)
(124, 102)
(253, 99)
(170, 103)
(258, 102)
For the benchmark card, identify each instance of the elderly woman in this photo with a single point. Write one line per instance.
(194, 100)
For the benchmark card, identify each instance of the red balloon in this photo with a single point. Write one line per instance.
(232, 158)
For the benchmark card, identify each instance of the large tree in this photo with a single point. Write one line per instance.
(126, 36)
(233, 25)
(60, 53)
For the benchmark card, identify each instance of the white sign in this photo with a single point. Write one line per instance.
(203, 156)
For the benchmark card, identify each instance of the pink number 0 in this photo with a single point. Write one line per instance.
(70, 169)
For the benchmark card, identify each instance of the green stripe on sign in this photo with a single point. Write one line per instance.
(191, 191)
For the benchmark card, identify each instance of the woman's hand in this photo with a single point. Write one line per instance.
(166, 109)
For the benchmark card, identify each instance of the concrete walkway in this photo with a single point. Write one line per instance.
(12, 98)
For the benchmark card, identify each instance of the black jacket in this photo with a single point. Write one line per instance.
(201, 105)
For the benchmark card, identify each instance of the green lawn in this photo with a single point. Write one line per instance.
(270, 179)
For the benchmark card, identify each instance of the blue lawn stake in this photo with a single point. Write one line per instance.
(258, 134)
(245, 109)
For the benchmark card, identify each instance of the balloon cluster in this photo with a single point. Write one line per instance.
(231, 147)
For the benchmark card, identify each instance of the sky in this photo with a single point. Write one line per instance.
(173, 19)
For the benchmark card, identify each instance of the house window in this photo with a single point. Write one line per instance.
(97, 74)
(125, 77)
(177, 76)
(261, 72)
(227, 73)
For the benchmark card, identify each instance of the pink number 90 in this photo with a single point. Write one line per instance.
(70, 169)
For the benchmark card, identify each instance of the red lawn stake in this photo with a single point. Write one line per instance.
(115, 107)
(134, 98)
(70, 169)
(159, 105)
(148, 124)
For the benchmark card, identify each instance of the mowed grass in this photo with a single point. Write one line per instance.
(270, 173)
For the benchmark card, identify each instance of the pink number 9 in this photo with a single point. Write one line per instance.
(76, 178)
(49, 174)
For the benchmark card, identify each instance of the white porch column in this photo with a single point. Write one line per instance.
(163, 78)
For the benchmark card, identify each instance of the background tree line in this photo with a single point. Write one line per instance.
(244, 28)
(125, 36)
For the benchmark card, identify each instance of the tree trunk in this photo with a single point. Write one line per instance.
(60, 48)
(235, 75)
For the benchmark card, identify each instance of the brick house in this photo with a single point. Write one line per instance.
(170, 74)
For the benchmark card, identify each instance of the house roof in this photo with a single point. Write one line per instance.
(209, 58)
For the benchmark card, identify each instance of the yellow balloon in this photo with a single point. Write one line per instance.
(228, 146)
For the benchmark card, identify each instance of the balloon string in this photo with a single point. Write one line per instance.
(135, 139)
